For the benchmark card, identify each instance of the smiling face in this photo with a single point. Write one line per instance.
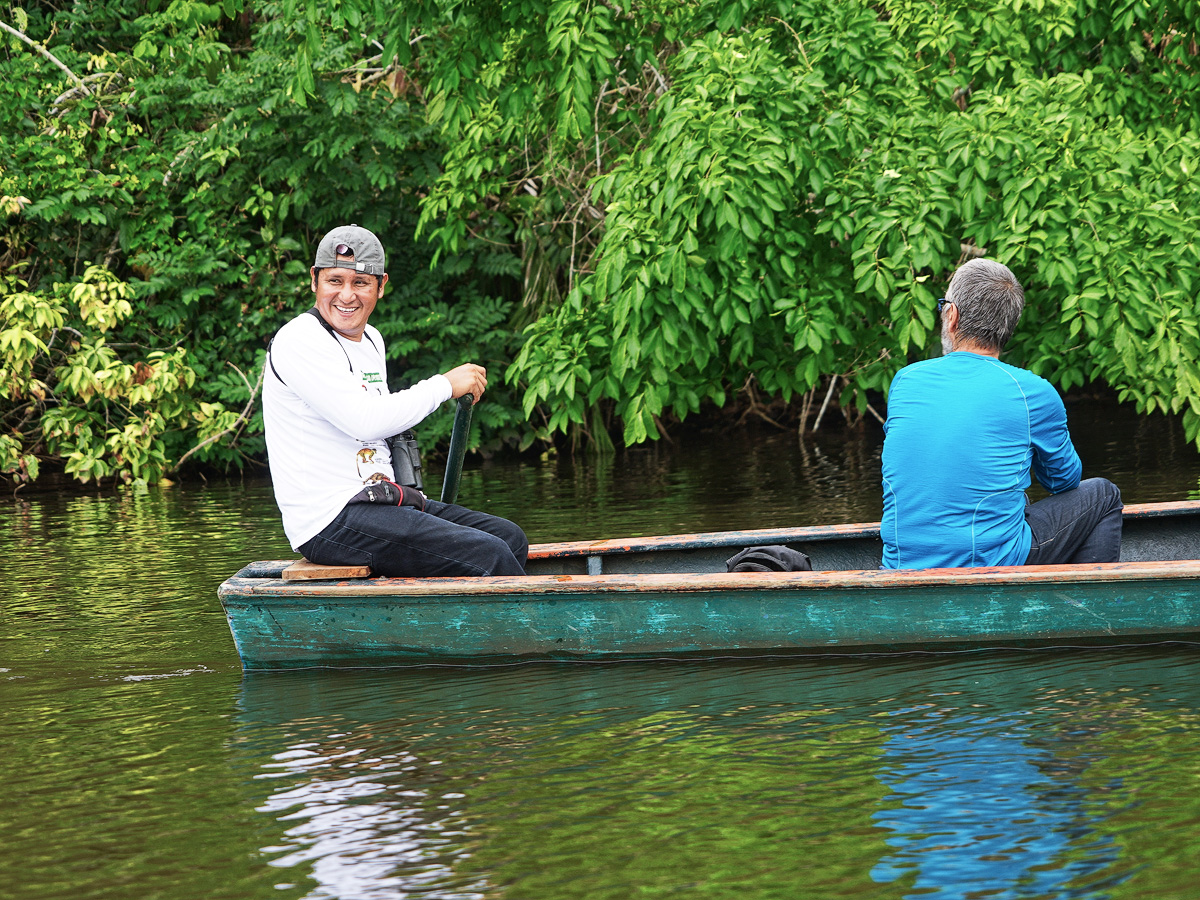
(346, 298)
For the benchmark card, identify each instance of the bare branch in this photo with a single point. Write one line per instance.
(179, 157)
(833, 379)
(237, 422)
(663, 87)
(799, 43)
(245, 380)
(46, 53)
(596, 120)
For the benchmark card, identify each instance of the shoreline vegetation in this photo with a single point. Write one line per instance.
(643, 217)
(1092, 410)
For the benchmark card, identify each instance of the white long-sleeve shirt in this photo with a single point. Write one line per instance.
(327, 411)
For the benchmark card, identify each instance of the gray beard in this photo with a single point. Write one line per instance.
(947, 346)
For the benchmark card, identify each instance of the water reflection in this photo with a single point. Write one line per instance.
(976, 803)
(538, 782)
(952, 777)
(358, 831)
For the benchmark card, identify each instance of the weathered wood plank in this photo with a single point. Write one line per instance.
(482, 589)
(303, 570)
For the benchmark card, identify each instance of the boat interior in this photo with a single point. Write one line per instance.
(1152, 532)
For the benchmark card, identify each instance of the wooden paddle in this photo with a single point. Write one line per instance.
(458, 447)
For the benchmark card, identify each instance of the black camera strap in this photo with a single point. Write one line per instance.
(316, 313)
(405, 451)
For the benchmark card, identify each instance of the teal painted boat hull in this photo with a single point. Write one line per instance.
(670, 597)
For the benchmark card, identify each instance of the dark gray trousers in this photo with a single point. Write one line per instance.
(401, 541)
(1078, 526)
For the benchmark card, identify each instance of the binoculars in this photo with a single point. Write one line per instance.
(406, 459)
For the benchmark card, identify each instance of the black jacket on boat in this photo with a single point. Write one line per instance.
(773, 558)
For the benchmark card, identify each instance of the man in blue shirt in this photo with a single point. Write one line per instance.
(963, 432)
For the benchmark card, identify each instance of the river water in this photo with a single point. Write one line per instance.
(139, 761)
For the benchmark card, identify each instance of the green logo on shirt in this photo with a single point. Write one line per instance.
(372, 377)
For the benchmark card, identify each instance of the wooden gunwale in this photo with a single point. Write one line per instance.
(508, 588)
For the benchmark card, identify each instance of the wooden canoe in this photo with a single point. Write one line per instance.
(670, 596)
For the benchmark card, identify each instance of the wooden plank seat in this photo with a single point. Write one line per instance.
(303, 570)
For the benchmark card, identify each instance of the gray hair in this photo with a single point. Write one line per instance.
(989, 300)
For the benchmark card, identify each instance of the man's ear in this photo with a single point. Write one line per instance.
(312, 274)
(382, 281)
(952, 318)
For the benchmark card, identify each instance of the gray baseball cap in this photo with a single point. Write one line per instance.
(368, 252)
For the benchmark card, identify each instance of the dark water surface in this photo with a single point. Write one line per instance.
(139, 762)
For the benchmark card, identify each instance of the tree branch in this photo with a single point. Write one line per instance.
(237, 422)
(46, 53)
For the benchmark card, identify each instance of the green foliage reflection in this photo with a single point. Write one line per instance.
(681, 802)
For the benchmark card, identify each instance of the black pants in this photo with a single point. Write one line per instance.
(1079, 526)
(402, 541)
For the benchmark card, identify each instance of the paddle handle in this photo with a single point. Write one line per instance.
(458, 447)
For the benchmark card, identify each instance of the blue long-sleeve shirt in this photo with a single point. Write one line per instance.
(962, 433)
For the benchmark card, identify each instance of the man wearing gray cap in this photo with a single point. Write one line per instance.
(328, 414)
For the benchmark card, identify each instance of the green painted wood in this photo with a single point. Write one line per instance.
(597, 624)
(278, 624)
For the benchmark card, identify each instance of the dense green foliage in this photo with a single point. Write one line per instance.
(785, 188)
(188, 180)
(684, 201)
